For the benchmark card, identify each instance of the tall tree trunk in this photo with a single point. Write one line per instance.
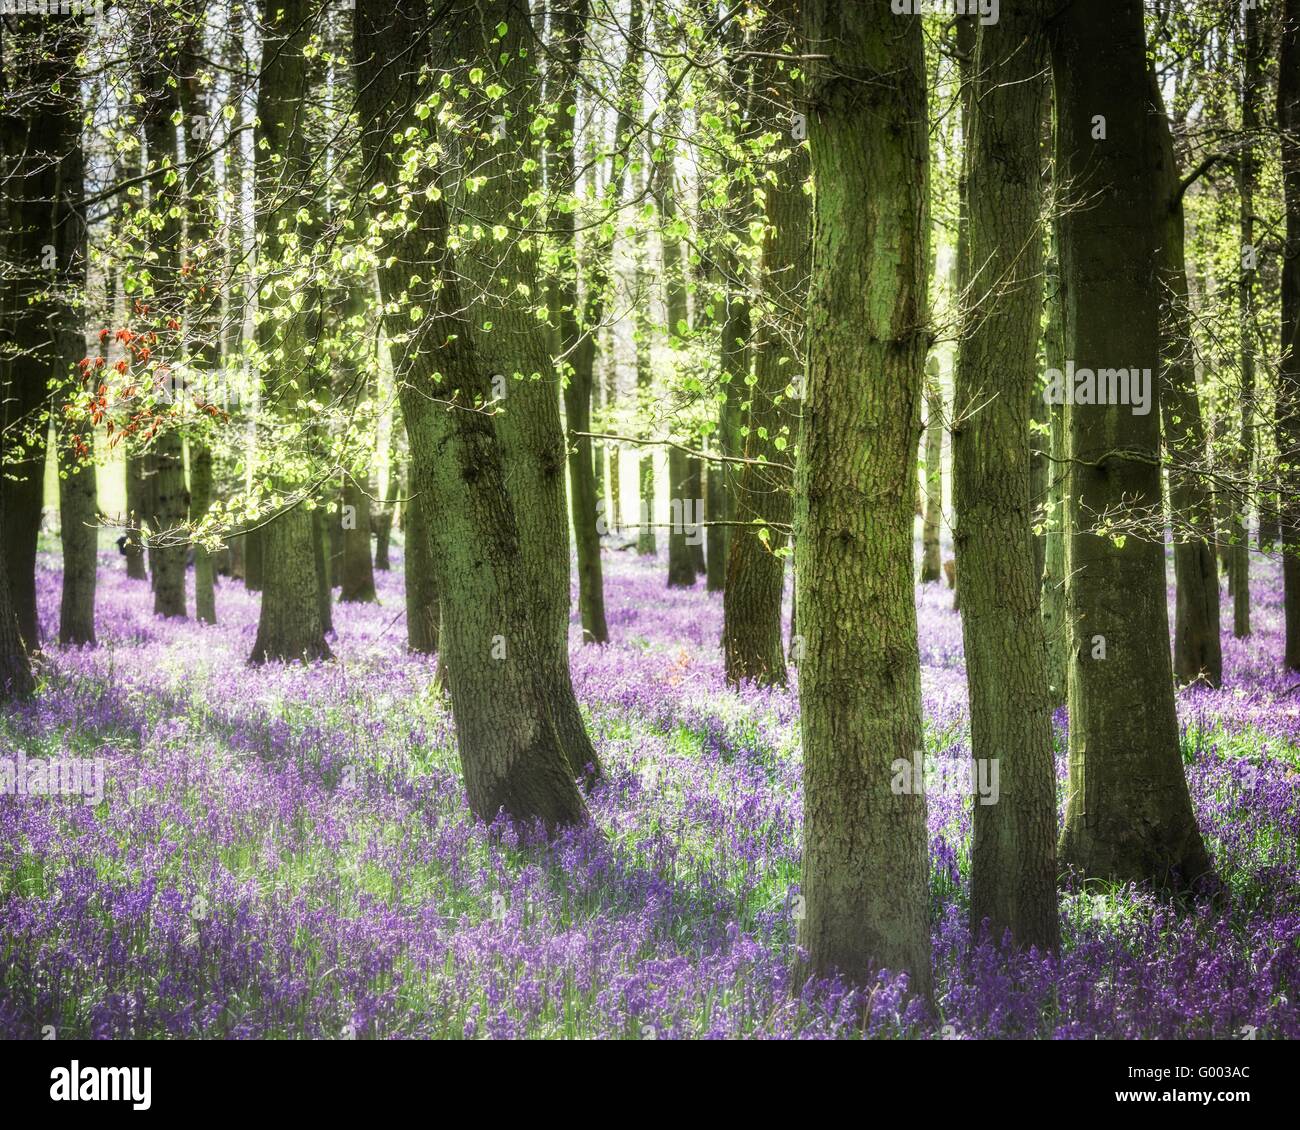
(865, 867)
(504, 645)
(1128, 815)
(78, 528)
(1198, 654)
(169, 500)
(30, 54)
(1247, 178)
(1288, 378)
(1052, 602)
(931, 557)
(1013, 850)
(751, 627)
(201, 203)
(290, 626)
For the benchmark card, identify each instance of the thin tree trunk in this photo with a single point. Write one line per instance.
(1197, 651)
(1247, 174)
(865, 869)
(931, 556)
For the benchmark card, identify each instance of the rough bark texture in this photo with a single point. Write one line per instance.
(518, 348)
(1198, 654)
(1013, 850)
(1288, 380)
(514, 755)
(751, 626)
(1129, 815)
(865, 868)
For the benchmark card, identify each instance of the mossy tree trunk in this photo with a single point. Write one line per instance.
(497, 634)
(865, 869)
(752, 640)
(1013, 849)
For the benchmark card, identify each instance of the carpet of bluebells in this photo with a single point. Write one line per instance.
(286, 852)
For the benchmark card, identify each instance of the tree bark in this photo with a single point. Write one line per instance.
(290, 625)
(1288, 379)
(931, 556)
(358, 581)
(15, 668)
(498, 630)
(752, 640)
(1013, 849)
(422, 608)
(865, 867)
(78, 528)
(1128, 815)
(1198, 654)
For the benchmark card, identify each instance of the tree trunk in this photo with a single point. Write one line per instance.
(169, 501)
(931, 557)
(290, 626)
(253, 556)
(30, 53)
(136, 495)
(1056, 628)
(15, 669)
(358, 581)
(422, 610)
(502, 641)
(1247, 180)
(1288, 379)
(751, 627)
(1128, 815)
(205, 317)
(1013, 849)
(1197, 651)
(865, 868)
(78, 528)
(382, 523)
(683, 521)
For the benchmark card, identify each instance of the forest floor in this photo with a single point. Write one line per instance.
(287, 851)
